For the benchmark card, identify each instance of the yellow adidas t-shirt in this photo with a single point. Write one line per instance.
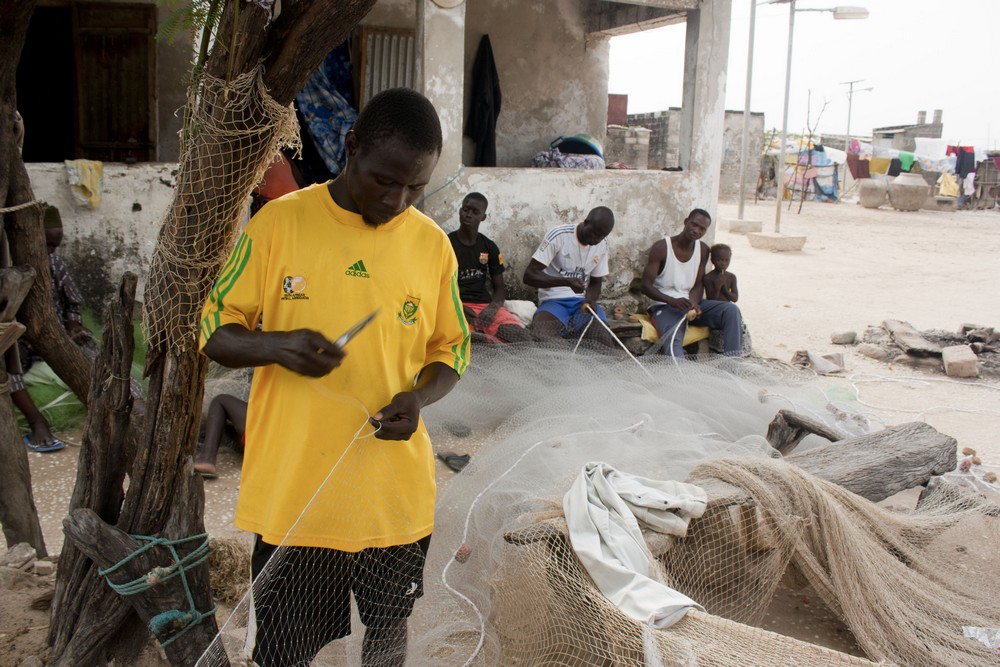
(313, 474)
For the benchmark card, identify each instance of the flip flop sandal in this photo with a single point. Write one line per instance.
(456, 462)
(206, 473)
(54, 447)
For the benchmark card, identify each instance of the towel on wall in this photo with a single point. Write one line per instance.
(85, 179)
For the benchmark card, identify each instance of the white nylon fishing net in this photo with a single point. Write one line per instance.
(503, 587)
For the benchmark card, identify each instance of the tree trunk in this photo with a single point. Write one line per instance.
(163, 498)
(100, 477)
(17, 506)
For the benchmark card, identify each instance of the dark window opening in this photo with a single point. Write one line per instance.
(86, 83)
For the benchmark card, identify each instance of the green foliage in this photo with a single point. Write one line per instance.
(188, 15)
(61, 408)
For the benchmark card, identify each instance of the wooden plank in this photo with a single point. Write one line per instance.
(909, 339)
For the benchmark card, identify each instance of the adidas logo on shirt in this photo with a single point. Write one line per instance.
(357, 270)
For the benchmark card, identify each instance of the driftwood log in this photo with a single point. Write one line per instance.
(788, 428)
(874, 466)
(174, 602)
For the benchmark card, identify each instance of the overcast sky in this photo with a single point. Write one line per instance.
(915, 54)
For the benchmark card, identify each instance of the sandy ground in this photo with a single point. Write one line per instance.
(859, 267)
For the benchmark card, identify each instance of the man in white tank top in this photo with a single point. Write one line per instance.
(673, 280)
(568, 269)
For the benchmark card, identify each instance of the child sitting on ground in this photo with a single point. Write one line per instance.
(225, 412)
(720, 284)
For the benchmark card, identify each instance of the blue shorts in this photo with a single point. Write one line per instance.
(568, 312)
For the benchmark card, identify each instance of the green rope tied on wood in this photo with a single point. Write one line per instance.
(173, 620)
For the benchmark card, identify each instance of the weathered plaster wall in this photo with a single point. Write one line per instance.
(99, 245)
(553, 76)
(392, 14)
(732, 150)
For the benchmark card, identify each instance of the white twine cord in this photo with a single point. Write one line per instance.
(582, 334)
(861, 378)
(593, 317)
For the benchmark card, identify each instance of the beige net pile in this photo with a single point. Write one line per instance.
(232, 132)
(503, 586)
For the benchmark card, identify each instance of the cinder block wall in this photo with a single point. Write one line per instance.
(663, 144)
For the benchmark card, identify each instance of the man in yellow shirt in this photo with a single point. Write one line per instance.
(341, 509)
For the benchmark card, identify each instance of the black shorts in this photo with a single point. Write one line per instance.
(302, 600)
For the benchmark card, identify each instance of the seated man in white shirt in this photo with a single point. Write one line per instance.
(568, 269)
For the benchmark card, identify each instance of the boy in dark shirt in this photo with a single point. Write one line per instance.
(720, 284)
(480, 276)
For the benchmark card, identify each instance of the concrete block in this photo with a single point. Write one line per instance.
(43, 568)
(873, 351)
(19, 555)
(960, 361)
(923, 363)
(844, 337)
(737, 226)
(775, 242)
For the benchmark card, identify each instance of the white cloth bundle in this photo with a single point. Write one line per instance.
(603, 509)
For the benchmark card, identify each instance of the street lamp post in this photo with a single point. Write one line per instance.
(746, 112)
(838, 13)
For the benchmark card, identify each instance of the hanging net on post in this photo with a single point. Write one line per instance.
(502, 585)
(232, 131)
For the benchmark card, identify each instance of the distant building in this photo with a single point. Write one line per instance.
(902, 137)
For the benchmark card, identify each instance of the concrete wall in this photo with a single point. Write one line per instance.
(664, 144)
(729, 180)
(99, 245)
(664, 127)
(553, 76)
(904, 138)
(392, 14)
(627, 144)
(525, 203)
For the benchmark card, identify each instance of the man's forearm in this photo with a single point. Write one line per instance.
(235, 346)
(435, 382)
(542, 280)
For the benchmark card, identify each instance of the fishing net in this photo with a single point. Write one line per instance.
(233, 130)
(502, 585)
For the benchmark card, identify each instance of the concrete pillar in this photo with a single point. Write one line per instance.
(703, 110)
(441, 77)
